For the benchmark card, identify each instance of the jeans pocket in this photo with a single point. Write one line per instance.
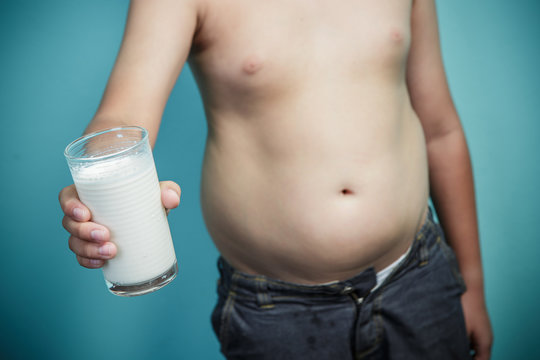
(221, 318)
(451, 259)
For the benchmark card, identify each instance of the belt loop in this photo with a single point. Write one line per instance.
(423, 252)
(264, 300)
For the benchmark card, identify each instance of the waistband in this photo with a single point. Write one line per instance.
(243, 284)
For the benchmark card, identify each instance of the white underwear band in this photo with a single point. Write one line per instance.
(383, 274)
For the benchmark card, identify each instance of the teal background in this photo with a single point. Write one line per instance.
(55, 57)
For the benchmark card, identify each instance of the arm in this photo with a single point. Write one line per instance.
(156, 44)
(450, 170)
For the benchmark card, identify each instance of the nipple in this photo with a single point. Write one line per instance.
(252, 64)
(396, 35)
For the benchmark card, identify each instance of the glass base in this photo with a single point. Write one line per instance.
(144, 287)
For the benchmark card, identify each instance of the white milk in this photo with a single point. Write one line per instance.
(123, 194)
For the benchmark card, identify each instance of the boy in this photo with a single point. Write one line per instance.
(329, 126)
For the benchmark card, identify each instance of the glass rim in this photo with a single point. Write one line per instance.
(88, 136)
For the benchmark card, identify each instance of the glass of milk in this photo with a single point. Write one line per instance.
(115, 176)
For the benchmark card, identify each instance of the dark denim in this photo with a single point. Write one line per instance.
(415, 314)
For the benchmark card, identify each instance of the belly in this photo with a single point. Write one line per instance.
(317, 191)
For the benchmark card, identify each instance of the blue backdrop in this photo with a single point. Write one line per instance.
(55, 58)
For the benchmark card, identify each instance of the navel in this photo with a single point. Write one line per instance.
(346, 191)
(252, 64)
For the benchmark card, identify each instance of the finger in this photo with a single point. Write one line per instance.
(170, 194)
(72, 206)
(88, 231)
(90, 250)
(90, 263)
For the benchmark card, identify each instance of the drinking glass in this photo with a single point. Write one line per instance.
(115, 177)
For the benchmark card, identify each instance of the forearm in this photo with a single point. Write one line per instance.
(452, 192)
(100, 123)
(103, 121)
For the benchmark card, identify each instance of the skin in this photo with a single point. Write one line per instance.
(328, 128)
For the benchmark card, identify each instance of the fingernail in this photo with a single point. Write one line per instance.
(78, 213)
(105, 250)
(175, 194)
(98, 235)
(95, 262)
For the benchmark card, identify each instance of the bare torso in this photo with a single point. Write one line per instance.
(315, 165)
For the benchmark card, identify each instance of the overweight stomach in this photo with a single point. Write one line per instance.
(313, 195)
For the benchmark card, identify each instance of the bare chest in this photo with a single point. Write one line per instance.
(249, 45)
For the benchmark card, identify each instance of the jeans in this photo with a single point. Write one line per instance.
(414, 314)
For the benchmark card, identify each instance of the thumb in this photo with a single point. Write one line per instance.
(170, 194)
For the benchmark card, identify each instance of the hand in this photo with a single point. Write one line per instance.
(478, 324)
(89, 240)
